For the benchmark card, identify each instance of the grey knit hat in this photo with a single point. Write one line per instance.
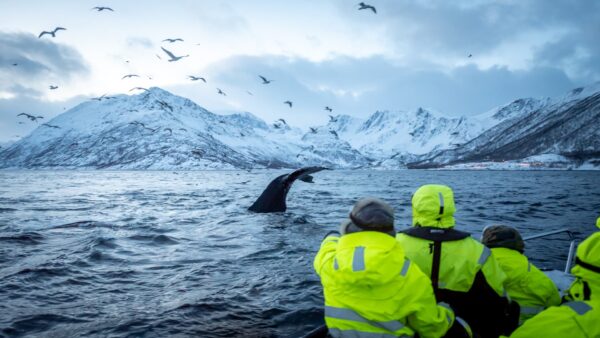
(370, 214)
(502, 236)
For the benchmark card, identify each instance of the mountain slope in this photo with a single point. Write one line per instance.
(566, 127)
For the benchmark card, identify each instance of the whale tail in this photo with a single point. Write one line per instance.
(273, 197)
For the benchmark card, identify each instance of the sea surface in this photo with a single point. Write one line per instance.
(157, 254)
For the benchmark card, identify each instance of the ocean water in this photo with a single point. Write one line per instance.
(155, 254)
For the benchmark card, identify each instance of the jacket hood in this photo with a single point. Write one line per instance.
(367, 262)
(433, 206)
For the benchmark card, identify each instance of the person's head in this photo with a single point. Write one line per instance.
(502, 236)
(433, 206)
(370, 214)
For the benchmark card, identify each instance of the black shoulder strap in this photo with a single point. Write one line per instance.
(435, 266)
(436, 234)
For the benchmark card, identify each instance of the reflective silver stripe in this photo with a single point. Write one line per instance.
(405, 267)
(358, 261)
(347, 314)
(465, 325)
(484, 255)
(580, 307)
(531, 310)
(441, 202)
(335, 264)
(337, 333)
(444, 305)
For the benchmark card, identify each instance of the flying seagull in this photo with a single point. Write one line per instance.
(328, 109)
(219, 91)
(365, 6)
(196, 78)
(173, 57)
(289, 103)
(15, 64)
(53, 33)
(52, 87)
(129, 75)
(103, 97)
(164, 105)
(50, 125)
(31, 117)
(332, 119)
(313, 130)
(173, 40)
(264, 79)
(102, 8)
(470, 55)
(139, 88)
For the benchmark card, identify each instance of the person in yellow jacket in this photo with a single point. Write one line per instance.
(525, 283)
(580, 315)
(463, 271)
(371, 289)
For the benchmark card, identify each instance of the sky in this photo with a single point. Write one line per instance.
(459, 58)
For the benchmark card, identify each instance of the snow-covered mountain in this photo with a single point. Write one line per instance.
(159, 130)
(566, 128)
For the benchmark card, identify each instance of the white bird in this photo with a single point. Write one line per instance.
(53, 33)
(264, 79)
(102, 8)
(365, 6)
(173, 40)
(196, 78)
(172, 56)
(139, 88)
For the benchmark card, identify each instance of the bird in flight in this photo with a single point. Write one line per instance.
(103, 97)
(313, 130)
(328, 109)
(470, 55)
(173, 40)
(365, 6)
(139, 88)
(165, 105)
(53, 33)
(289, 103)
(31, 117)
(264, 79)
(102, 8)
(249, 93)
(332, 119)
(196, 78)
(15, 64)
(50, 125)
(219, 91)
(172, 56)
(129, 75)
(52, 87)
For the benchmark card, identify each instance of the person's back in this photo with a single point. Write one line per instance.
(370, 287)
(580, 315)
(525, 283)
(463, 272)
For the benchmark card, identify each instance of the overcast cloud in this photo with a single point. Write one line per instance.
(410, 54)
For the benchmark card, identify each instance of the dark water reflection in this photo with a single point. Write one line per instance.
(176, 253)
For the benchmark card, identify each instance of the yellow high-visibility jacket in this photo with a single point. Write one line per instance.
(579, 319)
(525, 283)
(370, 287)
